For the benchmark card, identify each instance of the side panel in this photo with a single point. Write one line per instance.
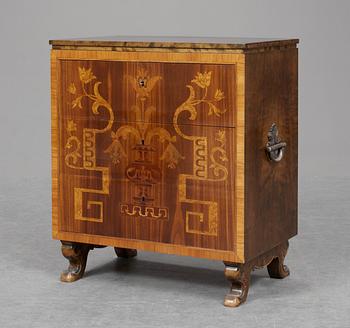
(271, 187)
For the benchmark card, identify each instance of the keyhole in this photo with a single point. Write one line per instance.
(142, 83)
(143, 198)
(142, 142)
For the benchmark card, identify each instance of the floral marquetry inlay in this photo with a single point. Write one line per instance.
(134, 146)
(144, 172)
(143, 131)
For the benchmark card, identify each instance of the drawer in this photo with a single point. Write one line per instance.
(158, 92)
(174, 185)
(193, 212)
(172, 149)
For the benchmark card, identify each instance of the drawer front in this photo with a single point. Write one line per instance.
(149, 91)
(143, 156)
(175, 190)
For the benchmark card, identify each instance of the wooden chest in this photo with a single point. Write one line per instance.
(176, 145)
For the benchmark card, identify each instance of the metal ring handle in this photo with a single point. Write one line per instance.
(275, 147)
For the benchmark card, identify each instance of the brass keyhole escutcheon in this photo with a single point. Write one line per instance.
(142, 83)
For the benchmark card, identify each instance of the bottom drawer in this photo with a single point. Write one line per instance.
(202, 216)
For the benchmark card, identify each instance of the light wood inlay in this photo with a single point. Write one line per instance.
(54, 145)
(240, 160)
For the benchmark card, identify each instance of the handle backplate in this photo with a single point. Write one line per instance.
(274, 147)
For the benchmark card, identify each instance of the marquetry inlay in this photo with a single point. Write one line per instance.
(144, 171)
(88, 151)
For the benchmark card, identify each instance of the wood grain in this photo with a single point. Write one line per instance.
(223, 77)
(271, 188)
(158, 43)
(239, 165)
(164, 194)
(54, 144)
(171, 57)
(168, 93)
(211, 254)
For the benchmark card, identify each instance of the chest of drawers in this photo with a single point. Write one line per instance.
(179, 146)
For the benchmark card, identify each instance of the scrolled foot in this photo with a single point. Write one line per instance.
(239, 273)
(125, 252)
(76, 254)
(276, 268)
(239, 276)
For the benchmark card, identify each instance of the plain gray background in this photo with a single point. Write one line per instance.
(322, 26)
(159, 290)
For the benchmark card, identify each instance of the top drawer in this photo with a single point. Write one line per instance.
(157, 92)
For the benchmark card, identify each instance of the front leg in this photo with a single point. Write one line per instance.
(76, 254)
(239, 276)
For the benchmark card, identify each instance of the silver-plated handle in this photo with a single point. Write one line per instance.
(274, 147)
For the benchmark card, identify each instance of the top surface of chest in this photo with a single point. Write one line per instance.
(175, 43)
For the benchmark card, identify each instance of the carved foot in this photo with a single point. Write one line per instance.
(239, 276)
(76, 254)
(239, 273)
(276, 268)
(125, 252)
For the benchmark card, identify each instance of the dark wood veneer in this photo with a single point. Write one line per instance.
(271, 188)
(167, 94)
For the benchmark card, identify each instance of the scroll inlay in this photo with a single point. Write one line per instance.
(203, 158)
(88, 155)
